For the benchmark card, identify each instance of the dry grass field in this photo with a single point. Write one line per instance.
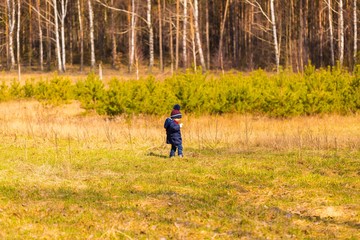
(67, 174)
(236, 132)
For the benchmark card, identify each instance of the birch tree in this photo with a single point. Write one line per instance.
(113, 37)
(160, 37)
(81, 33)
(91, 26)
(171, 45)
(222, 36)
(48, 32)
(30, 35)
(41, 47)
(132, 36)
(151, 36)
(355, 32)
(64, 4)
(192, 38)
(341, 33)
(207, 33)
(273, 23)
(18, 38)
(197, 34)
(185, 18)
(57, 37)
(177, 34)
(11, 22)
(272, 20)
(331, 32)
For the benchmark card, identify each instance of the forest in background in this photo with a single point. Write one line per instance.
(245, 35)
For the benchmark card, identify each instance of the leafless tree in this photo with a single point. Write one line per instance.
(132, 36)
(185, 18)
(57, 37)
(41, 46)
(11, 22)
(92, 40)
(197, 34)
(81, 33)
(151, 36)
(341, 33)
(222, 36)
(331, 31)
(272, 20)
(18, 38)
(63, 13)
(355, 31)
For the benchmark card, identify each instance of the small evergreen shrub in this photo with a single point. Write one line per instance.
(4, 92)
(286, 94)
(56, 91)
(91, 93)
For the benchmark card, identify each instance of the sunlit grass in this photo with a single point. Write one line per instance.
(67, 175)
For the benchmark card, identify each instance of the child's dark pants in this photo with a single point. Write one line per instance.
(173, 150)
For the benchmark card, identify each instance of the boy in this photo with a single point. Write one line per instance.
(173, 133)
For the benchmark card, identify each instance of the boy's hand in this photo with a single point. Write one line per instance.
(181, 125)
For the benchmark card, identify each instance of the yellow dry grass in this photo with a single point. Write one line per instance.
(235, 132)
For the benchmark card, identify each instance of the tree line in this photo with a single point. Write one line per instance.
(178, 34)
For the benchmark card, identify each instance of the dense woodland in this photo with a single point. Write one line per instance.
(178, 34)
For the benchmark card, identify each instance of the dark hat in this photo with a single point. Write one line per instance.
(176, 107)
(176, 114)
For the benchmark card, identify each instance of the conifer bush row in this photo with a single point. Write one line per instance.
(286, 94)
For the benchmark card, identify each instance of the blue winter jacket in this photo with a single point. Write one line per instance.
(173, 134)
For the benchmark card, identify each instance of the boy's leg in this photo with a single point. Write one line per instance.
(180, 150)
(173, 150)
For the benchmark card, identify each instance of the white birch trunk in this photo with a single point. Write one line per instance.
(62, 21)
(11, 21)
(161, 60)
(113, 38)
(41, 47)
(273, 22)
(331, 32)
(132, 38)
(177, 34)
(341, 33)
(81, 36)
(355, 33)
(92, 44)
(222, 36)
(48, 37)
(57, 37)
(18, 39)
(185, 34)
(151, 36)
(197, 34)
(207, 35)
(171, 46)
(192, 36)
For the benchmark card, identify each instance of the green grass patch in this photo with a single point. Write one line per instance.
(52, 191)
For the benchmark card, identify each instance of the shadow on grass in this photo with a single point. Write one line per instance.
(152, 154)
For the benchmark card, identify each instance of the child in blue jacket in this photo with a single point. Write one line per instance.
(173, 133)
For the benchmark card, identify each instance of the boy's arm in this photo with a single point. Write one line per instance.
(167, 122)
(174, 126)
